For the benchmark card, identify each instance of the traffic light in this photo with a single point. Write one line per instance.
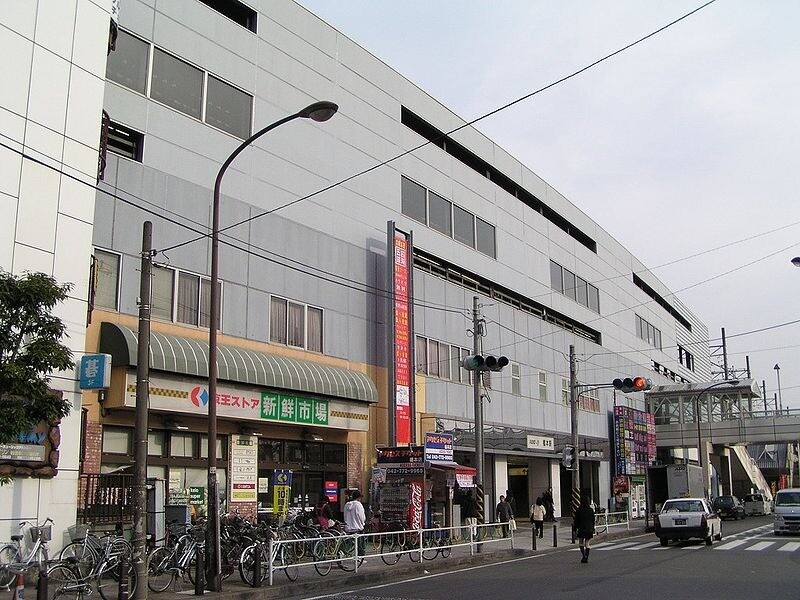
(569, 456)
(478, 362)
(633, 384)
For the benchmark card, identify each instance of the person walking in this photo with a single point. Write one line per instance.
(549, 506)
(503, 513)
(537, 517)
(355, 519)
(470, 508)
(583, 527)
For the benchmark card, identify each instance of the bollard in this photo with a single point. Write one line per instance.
(41, 589)
(199, 573)
(555, 535)
(533, 538)
(123, 578)
(19, 587)
(257, 566)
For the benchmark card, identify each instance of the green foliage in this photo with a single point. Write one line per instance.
(30, 349)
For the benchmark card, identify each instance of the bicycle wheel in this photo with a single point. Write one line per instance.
(388, 547)
(288, 562)
(9, 554)
(444, 547)
(159, 570)
(320, 553)
(346, 556)
(247, 563)
(83, 554)
(108, 583)
(62, 582)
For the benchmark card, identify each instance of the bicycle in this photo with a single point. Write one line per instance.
(12, 558)
(65, 578)
(87, 548)
(339, 548)
(165, 565)
(283, 558)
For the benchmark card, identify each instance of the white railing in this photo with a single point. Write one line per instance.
(606, 520)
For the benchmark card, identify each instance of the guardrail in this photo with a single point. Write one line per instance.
(605, 520)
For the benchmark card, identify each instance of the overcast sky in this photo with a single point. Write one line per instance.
(677, 146)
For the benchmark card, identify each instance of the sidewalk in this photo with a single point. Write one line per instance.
(557, 537)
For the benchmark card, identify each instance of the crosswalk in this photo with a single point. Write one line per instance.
(759, 539)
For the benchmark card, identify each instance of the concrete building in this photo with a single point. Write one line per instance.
(50, 113)
(307, 307)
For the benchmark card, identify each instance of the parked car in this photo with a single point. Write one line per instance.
(786, 507)
(757, 504)
(686, 518)
(729, 507)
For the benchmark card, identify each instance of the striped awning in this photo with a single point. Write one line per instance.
(185, 356)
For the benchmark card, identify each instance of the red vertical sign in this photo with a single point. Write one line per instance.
(402, 341)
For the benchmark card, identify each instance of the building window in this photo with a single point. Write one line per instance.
(127, 65)
(421, 355)
(106, 279)
(565, 391)
(543, 386)
(413, 200)
(573, 287)
(221, 446)
(228, 108)
(117, 440)
(182, 445)
(647, 332)
(177, 84)
(516, 380)
(686, 358)
(161, 293)
(440, 214)
(236, 11)
(295, 324)
(463, 226)
(485, 238)
(155, 443)
(194, 300)
(125, 141)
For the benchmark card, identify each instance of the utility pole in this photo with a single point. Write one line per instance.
(142, 401)
(477, 332)
(573, 406)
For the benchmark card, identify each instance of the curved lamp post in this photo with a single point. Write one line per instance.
(318, 111)
(697, 418)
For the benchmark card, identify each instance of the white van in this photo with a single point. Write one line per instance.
(756, 504)
(786, 507)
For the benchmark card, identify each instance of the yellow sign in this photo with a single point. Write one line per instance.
(282, 488)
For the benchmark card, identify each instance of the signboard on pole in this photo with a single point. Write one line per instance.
(282, 489)
(95, 371)
(244, 468)
(439, 446)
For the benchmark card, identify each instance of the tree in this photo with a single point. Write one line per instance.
(30, 350)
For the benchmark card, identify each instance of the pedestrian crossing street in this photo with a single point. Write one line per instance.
(760, 539)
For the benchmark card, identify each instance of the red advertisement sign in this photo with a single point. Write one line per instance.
(402, 341)
(415, 506)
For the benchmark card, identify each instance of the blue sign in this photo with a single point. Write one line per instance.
(282, 477)
(95, 371)
(439, 446)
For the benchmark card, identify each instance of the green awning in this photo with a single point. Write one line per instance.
(185, 356)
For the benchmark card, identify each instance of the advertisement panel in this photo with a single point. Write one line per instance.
(439, 446)
(402, 339)
(634, 440)
(282, 489)
(244, 468)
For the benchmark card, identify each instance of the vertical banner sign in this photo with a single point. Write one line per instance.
(244, 468)
(415, 505)
(403, 369)
(282, 488)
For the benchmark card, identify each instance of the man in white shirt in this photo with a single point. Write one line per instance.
(355, 518)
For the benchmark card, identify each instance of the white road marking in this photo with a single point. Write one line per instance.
(616, 546)
(643, 546)
(731, 545)
(760, 546)
(789, 547)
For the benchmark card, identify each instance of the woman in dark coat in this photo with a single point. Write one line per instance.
(583, 526)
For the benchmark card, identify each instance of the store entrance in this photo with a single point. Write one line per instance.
(518, 486)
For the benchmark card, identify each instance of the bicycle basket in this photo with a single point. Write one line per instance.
(78, 532)
(43, 533)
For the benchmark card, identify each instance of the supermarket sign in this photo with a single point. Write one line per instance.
(294, 409)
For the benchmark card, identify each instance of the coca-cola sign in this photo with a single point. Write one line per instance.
(415, 506)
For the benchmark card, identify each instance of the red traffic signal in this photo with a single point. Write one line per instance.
(633, 384)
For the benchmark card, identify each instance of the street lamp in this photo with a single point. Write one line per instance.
(318, 111)
(777, 368)
(697, 418)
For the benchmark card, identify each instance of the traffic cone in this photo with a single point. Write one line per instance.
(19, 587)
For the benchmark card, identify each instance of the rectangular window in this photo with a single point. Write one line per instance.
(466, 376)
(236, 11)
(125, 141)
(444, 360)
(457, 372)
(434, 365)
(277, 320)
(569, 284)
(155, 443)
(220, 447)
(516, 380)
(228, 108)
(314, 333)
(296, 327)
(543, 386)
(161, 293)
(565, 391)
(413, 200)
(106, 279)
(421, 352)
(188, 299)
(463, 226)
(127, 65)
(205, 301)
(117, 440)
(177, 84)
(556, 277)
(440, 214)
(182, 445)
(594, 298)
(581, 292)
(485, 238)
(647, 332)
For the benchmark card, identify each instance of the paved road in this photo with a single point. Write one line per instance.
(750, 563)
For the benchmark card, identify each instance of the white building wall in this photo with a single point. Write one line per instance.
(50, 111)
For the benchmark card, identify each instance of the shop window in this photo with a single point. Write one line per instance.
(335, 454)
(294, 452)
(177, 84)
(155, 443)
(106, 279)
(221, 446)
(314, 454)
(127, 65)
(270, 451)
(182, 445)
(117, 440)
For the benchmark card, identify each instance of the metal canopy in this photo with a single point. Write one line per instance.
(187, 356)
